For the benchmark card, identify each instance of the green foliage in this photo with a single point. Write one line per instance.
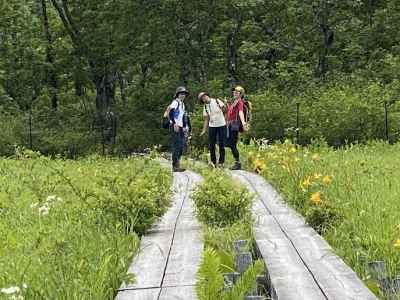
(136, 197)
(121, 56)
(221, 201)
(340, 114)
(210, 285)
(323, 217)
(221, 241)
(68, 223)
(210, 278)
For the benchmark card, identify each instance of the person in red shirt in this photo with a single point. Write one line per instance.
(236, 122)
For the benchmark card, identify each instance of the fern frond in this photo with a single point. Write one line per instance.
(246, 282)
(210, 280)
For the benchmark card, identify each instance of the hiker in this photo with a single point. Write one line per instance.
(214, 121)
(180, 126)
(236, 123)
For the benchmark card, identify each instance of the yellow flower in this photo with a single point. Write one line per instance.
(292, 150)
(315, 157)
(317, 176)
(307, 182)
(259, 165)
(316, 198)
(327, 179)
(397, 244)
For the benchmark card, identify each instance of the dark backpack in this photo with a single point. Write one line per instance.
(247, 109)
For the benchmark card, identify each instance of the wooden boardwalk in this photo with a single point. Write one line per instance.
(166, 266)
(300, 263)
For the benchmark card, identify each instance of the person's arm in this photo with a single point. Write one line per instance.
(166, 112)
(173, 106)
(205, 125)
(222, 106)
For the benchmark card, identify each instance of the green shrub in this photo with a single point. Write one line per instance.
(135, 200)
(221, 201)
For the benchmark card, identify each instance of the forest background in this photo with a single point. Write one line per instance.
(83, 76)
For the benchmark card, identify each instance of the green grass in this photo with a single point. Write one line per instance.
(68, 228)
(356, 207)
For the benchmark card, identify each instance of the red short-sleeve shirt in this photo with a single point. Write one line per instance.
(233, 111)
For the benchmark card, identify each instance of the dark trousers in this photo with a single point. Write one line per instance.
(178, 142)
(233, 137)
(217, 134)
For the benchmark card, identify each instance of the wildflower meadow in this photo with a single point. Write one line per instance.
(70, 228)
(349, 195)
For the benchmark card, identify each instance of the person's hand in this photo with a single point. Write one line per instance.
(202, 132)
(176, 128)
(246, 126)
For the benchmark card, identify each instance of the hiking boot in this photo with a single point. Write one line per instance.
(178, 169)
(236, 166)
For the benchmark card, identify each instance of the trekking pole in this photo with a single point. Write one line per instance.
(386, 121)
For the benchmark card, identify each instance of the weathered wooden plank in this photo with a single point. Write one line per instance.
(184, 259)
(334, 277)
(149, 265)
(166, 267)
(178, 293)
(186, 218)
(288, 275)
(146, 294)
(168, 220)
(268, 195)
(337, 279)
(185, 256)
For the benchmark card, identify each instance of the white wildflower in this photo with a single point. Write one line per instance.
(44, 210)
(25, 286)
(51, 198)
(11, 290)
(17, 297)
(34, 205)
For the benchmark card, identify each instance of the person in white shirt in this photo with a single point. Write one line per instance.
(214, 121)
(180, 126)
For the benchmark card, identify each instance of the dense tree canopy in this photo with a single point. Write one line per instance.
(66, 66)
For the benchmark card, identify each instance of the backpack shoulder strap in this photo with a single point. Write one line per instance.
(205, 107)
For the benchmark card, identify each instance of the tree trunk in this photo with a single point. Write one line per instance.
(323, 58)
(233, 54)
(105, 91)
(51, 74)
(321, 14)
(122, 88)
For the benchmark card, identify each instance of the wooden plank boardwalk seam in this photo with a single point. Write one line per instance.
(166, 266)
(300, 263)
